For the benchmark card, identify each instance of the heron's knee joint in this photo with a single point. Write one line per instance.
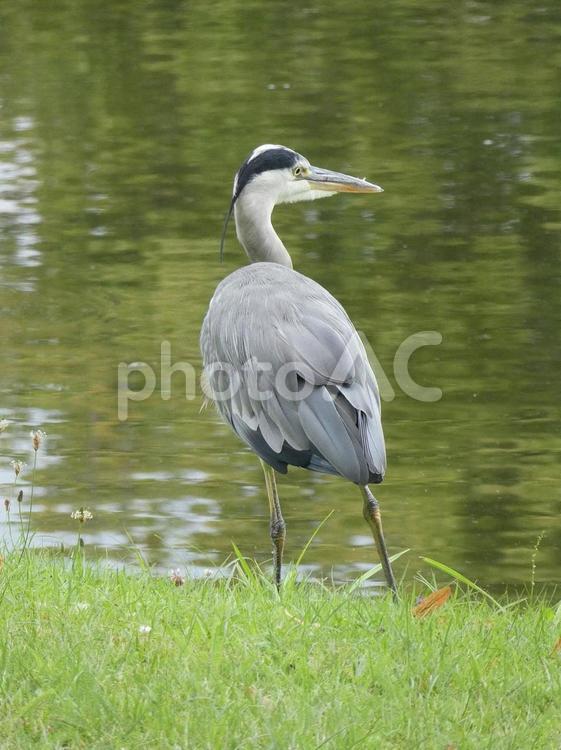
(371, 509)
(278, 529)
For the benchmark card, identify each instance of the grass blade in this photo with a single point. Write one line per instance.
(311, 539)
(372, 572)
(460, 577)
(242, 561)
(142, 562)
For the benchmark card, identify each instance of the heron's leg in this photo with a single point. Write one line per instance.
(277, 526)
(373, 517)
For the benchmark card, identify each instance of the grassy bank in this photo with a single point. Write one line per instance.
(92, 658)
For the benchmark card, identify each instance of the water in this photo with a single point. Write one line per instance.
(120, 129)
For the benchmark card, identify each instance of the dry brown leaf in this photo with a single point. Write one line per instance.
(1, 562)
(432, 601)
(557, 648)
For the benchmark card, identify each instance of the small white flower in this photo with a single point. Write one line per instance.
(144, 629)
(81, 606)
(18, 466)
(82, 515)
(37, 438)
(4, 424)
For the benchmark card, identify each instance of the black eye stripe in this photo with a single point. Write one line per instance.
(273, 158)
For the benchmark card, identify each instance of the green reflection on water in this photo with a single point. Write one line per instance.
(121, 126)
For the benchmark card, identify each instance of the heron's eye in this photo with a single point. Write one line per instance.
(297, 171)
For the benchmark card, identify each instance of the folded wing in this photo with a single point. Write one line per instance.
(289, 373)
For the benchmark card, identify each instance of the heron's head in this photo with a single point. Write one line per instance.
(280, 175)
(274, 174)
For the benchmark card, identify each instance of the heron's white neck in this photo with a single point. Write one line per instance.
(255, 231)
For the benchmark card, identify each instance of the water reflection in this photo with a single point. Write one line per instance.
(116, 154)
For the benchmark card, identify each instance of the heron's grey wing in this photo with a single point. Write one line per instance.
(306, 394)
(341, 417)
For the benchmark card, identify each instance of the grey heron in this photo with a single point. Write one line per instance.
(282, 359)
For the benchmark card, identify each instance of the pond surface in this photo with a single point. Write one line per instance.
(121, 126)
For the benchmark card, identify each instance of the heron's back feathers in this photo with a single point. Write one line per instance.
(290, 374)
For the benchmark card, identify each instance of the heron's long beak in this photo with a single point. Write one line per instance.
(336, 182)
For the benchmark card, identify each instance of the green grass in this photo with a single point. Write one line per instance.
(229, 664)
